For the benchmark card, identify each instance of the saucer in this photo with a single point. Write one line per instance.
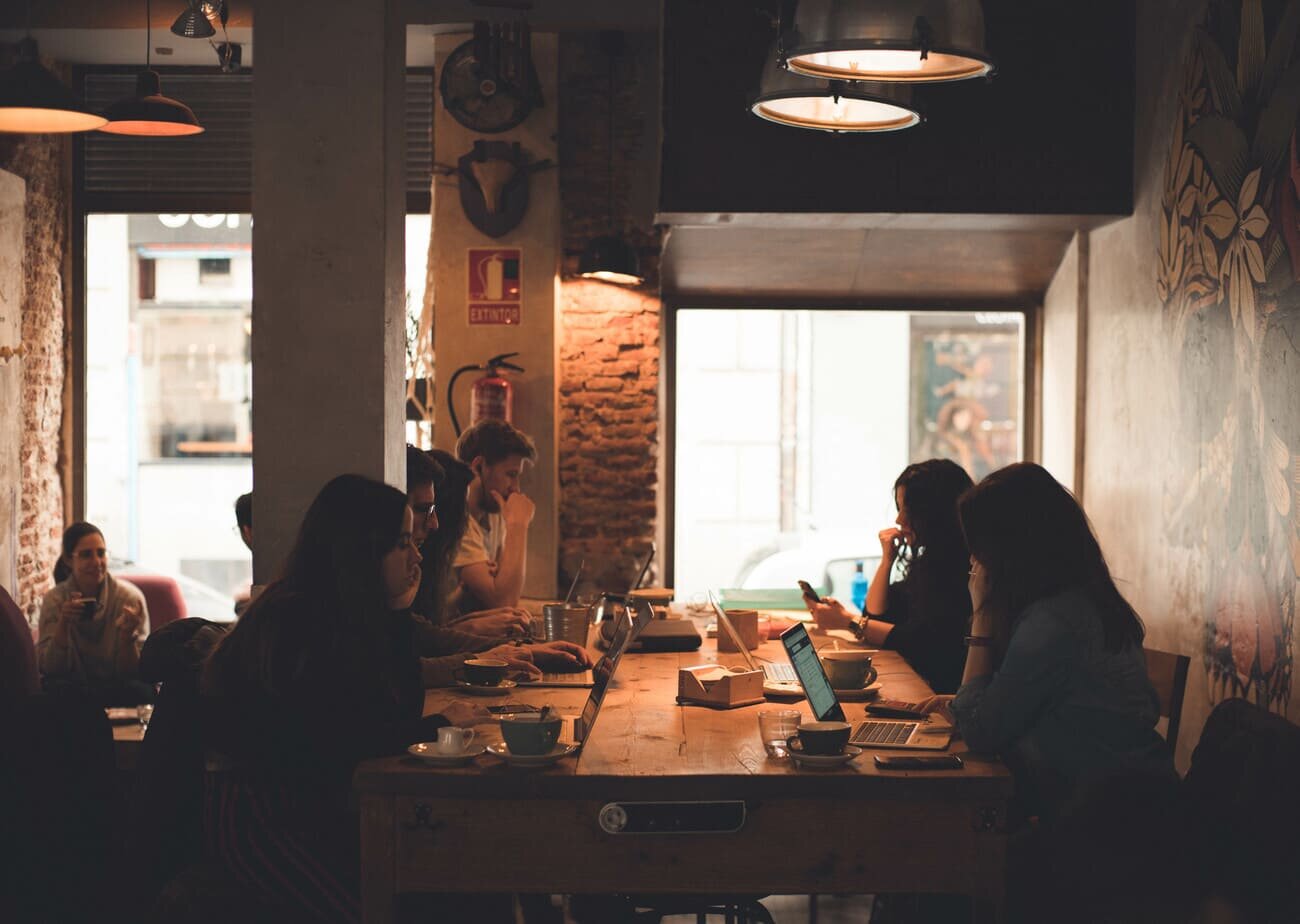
(826, 760)
(476, 689)
(557, 753)
(871, 691)
(427, 751)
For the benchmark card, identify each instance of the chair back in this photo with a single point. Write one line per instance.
(162, 595)
(1168, 674)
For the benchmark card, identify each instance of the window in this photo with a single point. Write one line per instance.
(214, 271)
(791, 426)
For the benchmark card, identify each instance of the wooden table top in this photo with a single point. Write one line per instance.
(643, 735)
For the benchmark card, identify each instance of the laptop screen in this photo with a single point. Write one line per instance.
(803, 657)
(603, 670)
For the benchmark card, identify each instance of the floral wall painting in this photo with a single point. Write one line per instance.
(1228, 280)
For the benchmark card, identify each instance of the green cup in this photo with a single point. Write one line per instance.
(526, 734)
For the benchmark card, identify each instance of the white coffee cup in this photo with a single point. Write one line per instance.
(452, 740)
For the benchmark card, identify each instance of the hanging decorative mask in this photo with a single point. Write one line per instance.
(493, 179)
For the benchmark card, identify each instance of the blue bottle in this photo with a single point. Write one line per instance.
(858, 588)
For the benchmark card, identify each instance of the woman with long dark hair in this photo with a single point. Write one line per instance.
(92, 625)
(319, 674)
(924, 614)
(1055, 679)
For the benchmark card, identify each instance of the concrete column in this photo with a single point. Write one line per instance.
(456, 342)
(328, 211)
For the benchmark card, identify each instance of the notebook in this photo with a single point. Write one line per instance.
(908, 734)
(778, 679)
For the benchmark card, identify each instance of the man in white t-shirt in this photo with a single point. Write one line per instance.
(491, 557)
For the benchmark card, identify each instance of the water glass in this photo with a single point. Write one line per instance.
(774, 727)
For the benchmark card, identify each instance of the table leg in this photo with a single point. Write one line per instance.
(378, 872)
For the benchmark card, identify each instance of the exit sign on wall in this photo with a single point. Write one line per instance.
(494, 285)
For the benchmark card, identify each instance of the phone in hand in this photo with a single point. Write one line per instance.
(809, 593)
(895, 709)
(917, 762)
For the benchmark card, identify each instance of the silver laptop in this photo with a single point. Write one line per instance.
(777, 678)
(909, 734)
(576, 728)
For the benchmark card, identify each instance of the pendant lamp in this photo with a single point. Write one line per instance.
(905, 41)
(831, 106)
(32, 100)
(196, 21)
(610, 258)
(148, 113)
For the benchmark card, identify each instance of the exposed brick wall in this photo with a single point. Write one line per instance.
(41, 161)
(609, 335)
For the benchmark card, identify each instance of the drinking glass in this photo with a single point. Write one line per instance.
(776, 725)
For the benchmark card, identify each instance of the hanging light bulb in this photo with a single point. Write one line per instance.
(904, 41)
(148, 113)
(32, 100)
(832, 106)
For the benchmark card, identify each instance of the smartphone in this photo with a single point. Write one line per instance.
(895, 709)
(506, 708)
(916, 762)
(809, 592)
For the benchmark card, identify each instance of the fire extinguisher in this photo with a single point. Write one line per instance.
(491, 396)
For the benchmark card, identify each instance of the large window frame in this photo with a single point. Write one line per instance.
(671, 305)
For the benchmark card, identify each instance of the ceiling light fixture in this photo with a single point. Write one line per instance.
(34, 101)
(905, 41)
(831, 106)
(148, 113)
(610, 257)
(197, 20)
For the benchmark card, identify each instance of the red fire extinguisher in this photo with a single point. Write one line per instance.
(491, 396)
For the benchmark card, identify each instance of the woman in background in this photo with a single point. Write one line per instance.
(92, 625)
(924, 615)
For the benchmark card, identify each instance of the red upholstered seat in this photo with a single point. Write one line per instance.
(162, 595)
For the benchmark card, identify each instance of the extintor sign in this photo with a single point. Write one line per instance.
(494, 285)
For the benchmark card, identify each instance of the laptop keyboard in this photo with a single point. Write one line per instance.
(566, 677)
(780, 673)
(883, 732)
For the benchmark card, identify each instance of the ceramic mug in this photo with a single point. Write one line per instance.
(849, 670)
(526, 734)
(820, 738)
(452, 740)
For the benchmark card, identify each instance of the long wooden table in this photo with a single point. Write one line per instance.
(493, 828)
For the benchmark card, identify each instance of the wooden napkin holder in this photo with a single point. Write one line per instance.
(715, 685)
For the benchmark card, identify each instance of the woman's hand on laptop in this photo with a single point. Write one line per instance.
(560, 656)
(938, 706)
(518, 658)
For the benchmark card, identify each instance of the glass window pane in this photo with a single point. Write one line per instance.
(791, 427)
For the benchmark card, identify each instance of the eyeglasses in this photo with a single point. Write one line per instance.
(428, 511)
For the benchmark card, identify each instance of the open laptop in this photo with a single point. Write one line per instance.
(908, 734)
(577, 728)
(778, 679)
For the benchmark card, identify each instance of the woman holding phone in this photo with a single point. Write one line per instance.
(923, 615)
(92, 625)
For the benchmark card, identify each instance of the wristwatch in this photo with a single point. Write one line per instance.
(860, 627)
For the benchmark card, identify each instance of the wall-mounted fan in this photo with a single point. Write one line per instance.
(489, 84)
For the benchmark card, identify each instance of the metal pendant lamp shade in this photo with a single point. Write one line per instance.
(149, 113)
(905, 41)
(831, 105)
(193, 23)
(32, 100)
(610, 258)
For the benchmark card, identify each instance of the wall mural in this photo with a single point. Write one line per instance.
(1228, 279)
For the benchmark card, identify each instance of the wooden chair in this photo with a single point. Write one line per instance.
(1168, 674)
